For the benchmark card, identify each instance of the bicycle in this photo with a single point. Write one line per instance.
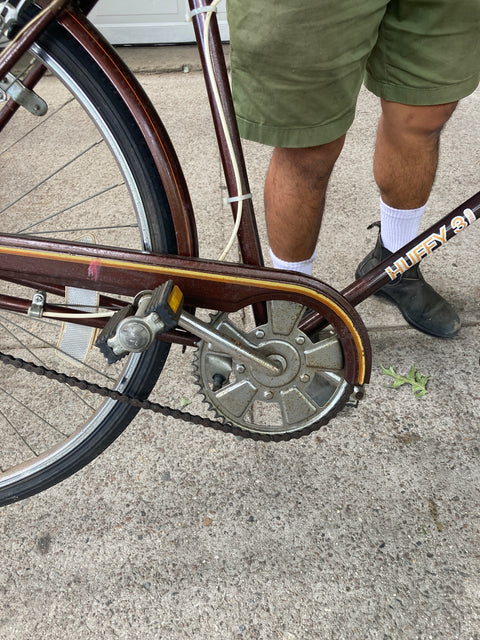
(109, 300)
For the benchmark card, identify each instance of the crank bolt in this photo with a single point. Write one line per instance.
(358, 392)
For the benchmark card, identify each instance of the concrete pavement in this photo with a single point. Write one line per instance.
(367, 529)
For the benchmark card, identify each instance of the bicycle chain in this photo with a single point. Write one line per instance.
(156, 407)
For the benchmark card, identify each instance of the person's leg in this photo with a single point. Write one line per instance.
(295, 191)
(405, 163)
(296, 91)
(406, 152)
(423, 62)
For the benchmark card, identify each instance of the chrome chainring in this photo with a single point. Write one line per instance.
(307, 391)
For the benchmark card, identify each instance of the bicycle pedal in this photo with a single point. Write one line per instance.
(167, 302)
(134, 328)
(109, 331)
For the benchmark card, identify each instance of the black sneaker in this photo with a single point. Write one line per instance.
(420, 304)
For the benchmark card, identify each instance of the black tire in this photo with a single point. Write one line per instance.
(85, 80)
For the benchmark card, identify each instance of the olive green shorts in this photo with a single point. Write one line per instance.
(298, 65)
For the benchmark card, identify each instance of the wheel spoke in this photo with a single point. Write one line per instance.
(85, 229)
(66, 209)
(17, 434)
(81, 167)
(32, 413)
(48, 345)
(41, 123)
(49, 177)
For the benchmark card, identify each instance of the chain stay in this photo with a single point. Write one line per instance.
(156, 407)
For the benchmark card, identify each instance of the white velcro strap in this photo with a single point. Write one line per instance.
(246, 196)
(195, 12)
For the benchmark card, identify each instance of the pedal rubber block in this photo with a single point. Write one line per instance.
(167, 303)
(109, 330)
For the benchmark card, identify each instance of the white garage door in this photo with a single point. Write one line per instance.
(148, 21)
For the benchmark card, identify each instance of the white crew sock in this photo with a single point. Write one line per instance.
(305, 266)
(399, 226)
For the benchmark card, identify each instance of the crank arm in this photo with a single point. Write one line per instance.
(227, 345)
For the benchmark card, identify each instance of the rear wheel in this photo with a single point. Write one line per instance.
(81, 172)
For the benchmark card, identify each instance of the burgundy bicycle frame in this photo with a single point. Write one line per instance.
(199, 291)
